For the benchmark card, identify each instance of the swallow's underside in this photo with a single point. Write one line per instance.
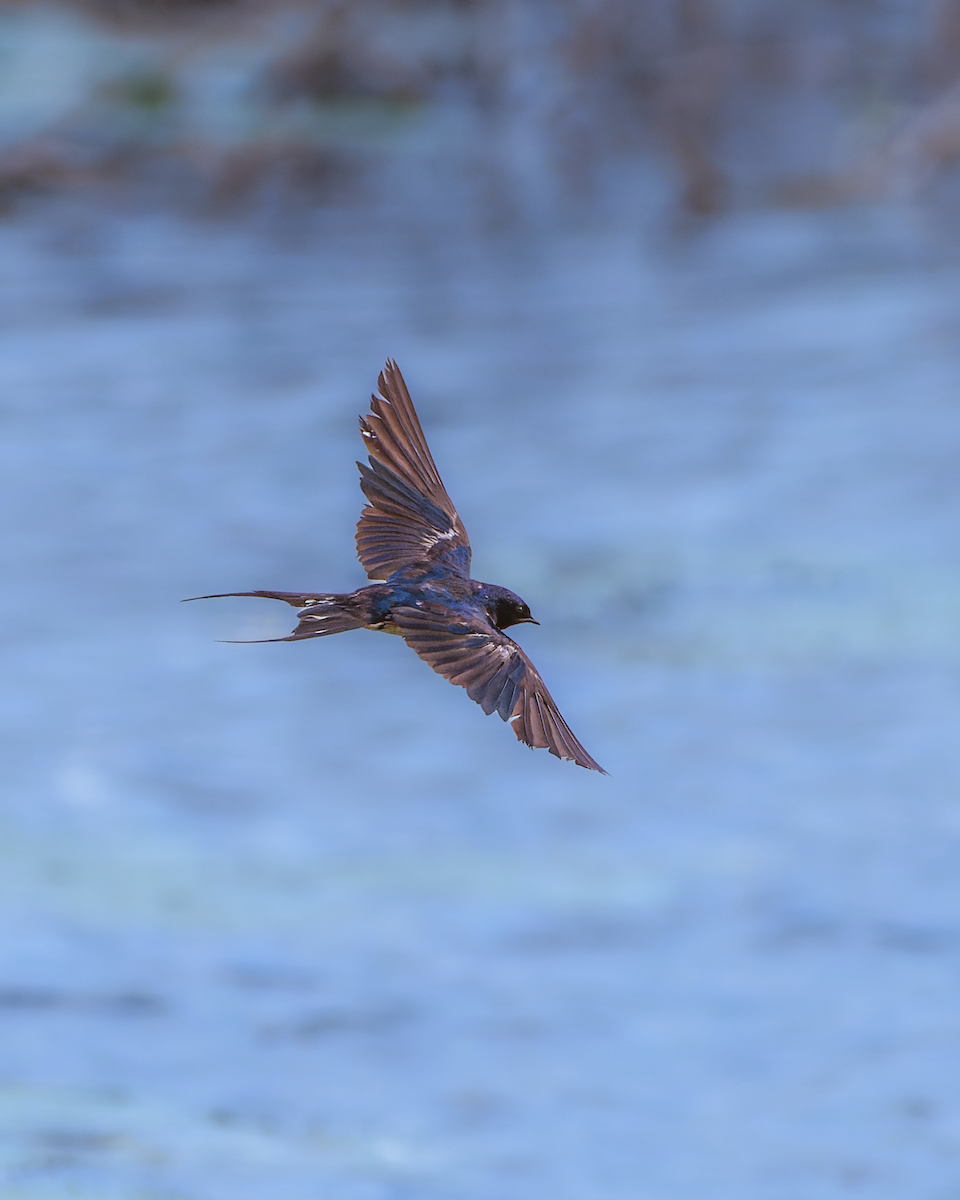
(410, 538)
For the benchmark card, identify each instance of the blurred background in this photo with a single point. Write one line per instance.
(675, 285)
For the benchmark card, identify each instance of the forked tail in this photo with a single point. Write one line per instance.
(320, 614)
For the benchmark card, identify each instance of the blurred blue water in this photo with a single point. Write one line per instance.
(296, 920)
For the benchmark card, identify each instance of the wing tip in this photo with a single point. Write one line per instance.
(389, 375)
(559, 742)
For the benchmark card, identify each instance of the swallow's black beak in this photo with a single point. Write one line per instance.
(528, 621)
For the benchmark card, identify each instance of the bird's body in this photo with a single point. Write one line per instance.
(373, 607)
(411, 538)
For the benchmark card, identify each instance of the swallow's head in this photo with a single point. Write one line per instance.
(506, 608)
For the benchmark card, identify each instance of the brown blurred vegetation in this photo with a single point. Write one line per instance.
(796, 102)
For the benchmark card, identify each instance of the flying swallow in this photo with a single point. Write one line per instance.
(412, 542)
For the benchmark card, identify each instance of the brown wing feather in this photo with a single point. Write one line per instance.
(409, 518)
(495, 672)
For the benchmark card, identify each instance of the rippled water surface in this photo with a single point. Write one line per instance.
(298, 921)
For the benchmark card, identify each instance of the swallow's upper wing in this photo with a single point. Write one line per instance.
(470, 652)
(409, 518)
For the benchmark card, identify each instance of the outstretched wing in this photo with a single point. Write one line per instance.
(495, 672)
(409, 518)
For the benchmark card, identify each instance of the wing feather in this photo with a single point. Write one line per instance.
(495, 673)
(409, 519)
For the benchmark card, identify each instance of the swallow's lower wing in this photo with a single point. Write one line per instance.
(495, 672)
(409, 518)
